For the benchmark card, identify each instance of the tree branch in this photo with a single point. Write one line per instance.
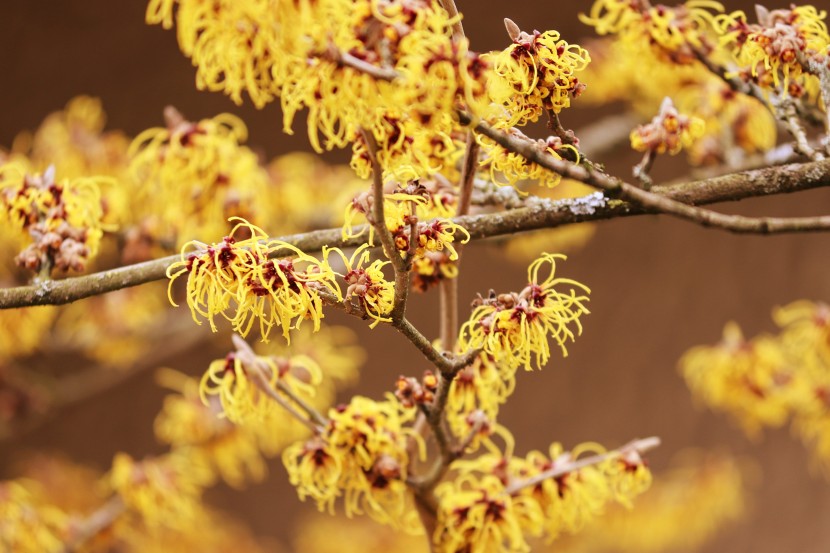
(650, 201)
(541, 213)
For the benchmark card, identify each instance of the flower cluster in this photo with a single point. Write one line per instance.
(363, 455)
(476, 394)
(416, 211)
(684, 509)
(514, 327)
(64, 219)
(669, 131)
(673, 33)
(214, 443)
(255, 277)
(510, 168)
(735, 125)
(191, 177)
(541, 69)
(162, 491)
(246, 385)
(771, 379)
(772, 51)
(27, 524)
(389, 66)
(374, 294)
(493, 505)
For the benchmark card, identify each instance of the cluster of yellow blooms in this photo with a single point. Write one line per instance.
(394, 76)
(772, 51)
(363, 454)
(515, 327)
(191, 177)
(27, 523)
(672, 32)
(541, 68)
(771, 379)
(322, 55)
(685, 508)
(510, 168)
(666, 44)
(488, 507)
(537, 75)
(669, 131)
(63, 219)
(479, 389)
(423, 208)
(255, 274)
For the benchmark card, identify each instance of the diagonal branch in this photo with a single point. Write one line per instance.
(651, 201)
(632, 449)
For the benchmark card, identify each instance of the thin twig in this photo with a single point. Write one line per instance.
(400, 266)
(634, 448)
(96, 523)
(642, 169)
(255, 371)
(786, 112)
(379, 73)
(452, 11)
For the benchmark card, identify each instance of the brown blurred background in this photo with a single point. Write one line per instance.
(659, 285)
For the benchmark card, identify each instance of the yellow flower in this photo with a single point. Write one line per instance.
(374, 293)
(63, 219)
(256, 275)
(671, 32)
(669, 131)
(245, 384)
(747, 379)
(75, 142)
(165, 492)
(476, 515)
(305, 53)
(769, 49)
(734, 124)
(27, 524)
(541, 69)
(482, 386)
(192, 177)
(508, 168)
(515, 328)
(362, 454)
(439, 235)
(431, 269)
